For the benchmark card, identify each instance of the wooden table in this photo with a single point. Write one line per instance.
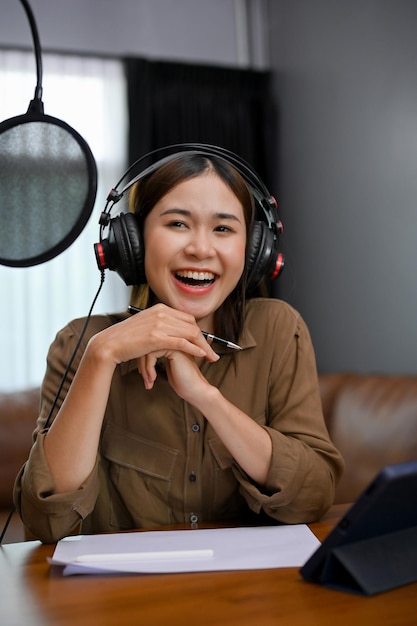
(32, 593)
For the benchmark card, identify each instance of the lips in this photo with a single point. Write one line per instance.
(195, 278)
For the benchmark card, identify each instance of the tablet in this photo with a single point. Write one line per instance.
(385, 509)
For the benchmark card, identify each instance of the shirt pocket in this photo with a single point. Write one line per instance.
(141, 473)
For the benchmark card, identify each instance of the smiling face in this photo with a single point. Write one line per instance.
(194, 240)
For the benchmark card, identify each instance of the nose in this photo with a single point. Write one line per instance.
(200, 244)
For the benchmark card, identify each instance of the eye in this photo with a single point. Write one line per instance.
(222, 228)
(176, 224)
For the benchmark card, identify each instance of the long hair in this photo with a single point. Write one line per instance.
(229, 317)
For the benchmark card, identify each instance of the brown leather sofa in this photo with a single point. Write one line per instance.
(18, 413)
(371, 419)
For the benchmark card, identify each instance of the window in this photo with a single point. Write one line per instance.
(89, 94)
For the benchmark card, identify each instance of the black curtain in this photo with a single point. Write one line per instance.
(177, 102)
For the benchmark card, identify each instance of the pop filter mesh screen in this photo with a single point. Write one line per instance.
(47, 190)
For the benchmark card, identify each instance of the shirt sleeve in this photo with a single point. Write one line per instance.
(305, 465)
(46, 515)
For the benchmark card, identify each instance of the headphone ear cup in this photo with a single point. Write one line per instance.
(129, 249)
(262, 255)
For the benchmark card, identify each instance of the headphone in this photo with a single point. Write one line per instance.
(123, 249)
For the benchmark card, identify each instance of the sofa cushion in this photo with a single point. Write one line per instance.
(372, 420)
(18, 413)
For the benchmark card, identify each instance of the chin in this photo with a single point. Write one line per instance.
(197, 311)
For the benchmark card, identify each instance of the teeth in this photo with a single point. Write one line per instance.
(196, 275)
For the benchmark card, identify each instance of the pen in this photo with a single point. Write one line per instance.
(162, 555)
(223, 342)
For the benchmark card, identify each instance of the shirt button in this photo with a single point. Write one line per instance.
(192, 477)
(195, 428)
(193, 518)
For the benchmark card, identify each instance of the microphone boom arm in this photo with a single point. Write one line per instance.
(35, 105)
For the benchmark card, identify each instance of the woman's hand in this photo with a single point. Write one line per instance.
(159, 329)
(183, 373)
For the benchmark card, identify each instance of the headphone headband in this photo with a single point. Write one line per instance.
(258, 189)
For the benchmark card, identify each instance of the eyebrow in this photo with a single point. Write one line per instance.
(220, 215)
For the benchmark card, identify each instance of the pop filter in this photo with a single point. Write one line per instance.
(48, 181)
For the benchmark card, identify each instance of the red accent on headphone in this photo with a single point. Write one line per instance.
(100, 256)
(279, 266)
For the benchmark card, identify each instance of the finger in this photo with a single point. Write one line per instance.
(147, 368)
(211, 354)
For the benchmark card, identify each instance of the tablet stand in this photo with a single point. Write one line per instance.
(373, 565)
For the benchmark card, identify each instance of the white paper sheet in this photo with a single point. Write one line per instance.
(230, 549)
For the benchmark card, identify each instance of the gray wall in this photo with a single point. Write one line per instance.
(215, 31)
(346, 84)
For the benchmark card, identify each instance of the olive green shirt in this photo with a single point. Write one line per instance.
(160, 462)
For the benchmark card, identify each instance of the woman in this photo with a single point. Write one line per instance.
(160, 427)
